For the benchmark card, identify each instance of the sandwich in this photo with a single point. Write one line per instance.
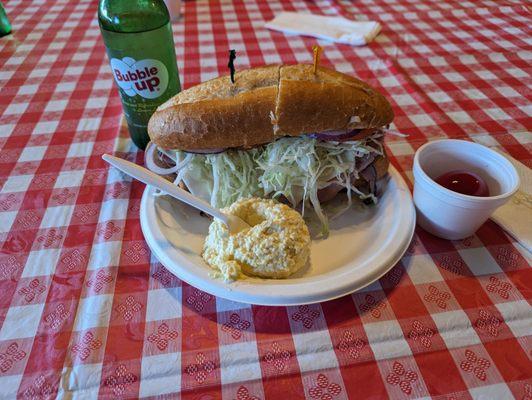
(290, 132)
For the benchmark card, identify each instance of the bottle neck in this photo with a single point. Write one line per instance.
(130, 16)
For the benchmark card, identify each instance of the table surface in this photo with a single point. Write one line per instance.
(86, 311)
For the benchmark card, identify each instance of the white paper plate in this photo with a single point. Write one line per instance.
(364, 243)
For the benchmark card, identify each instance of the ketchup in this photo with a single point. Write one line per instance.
(464, 182)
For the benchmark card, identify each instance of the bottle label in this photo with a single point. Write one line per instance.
(148, 78)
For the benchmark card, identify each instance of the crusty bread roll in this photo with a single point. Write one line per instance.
(266, 103)
(327, 100)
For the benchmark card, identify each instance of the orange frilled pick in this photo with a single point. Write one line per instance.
(317, 51)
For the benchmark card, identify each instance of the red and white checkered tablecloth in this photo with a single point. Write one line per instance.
(86, 311)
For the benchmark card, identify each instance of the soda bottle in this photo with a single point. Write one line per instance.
(5, 26)
(140, 47)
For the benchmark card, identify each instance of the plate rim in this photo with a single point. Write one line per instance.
(218, 288)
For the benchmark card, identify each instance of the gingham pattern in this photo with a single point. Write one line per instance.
(86, 311)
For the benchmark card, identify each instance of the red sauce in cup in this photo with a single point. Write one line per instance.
(464, 182)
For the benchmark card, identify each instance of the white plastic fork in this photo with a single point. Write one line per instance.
(233, 223)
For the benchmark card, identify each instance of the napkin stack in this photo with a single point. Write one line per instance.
(336, 29)
(516, 215)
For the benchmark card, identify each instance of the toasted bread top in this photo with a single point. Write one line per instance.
(266, 103)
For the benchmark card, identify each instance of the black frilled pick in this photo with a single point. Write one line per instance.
(231, 65)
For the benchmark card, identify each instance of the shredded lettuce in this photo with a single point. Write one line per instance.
(295, 168)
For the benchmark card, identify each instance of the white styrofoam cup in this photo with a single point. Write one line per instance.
(448, 214)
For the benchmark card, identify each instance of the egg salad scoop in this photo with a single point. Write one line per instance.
(276, 245)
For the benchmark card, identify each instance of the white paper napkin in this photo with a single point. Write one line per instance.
(336, 29)
(516, 215)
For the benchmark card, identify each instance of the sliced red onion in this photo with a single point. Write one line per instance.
(206, 151)
(168, 153)
(151, 161)
(335, 135)
(395, 133)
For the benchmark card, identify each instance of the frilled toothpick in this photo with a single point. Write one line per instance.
(231, 65)
(317, 52)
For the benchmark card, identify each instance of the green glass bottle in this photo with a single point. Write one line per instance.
(5, 26)
(140, 47)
